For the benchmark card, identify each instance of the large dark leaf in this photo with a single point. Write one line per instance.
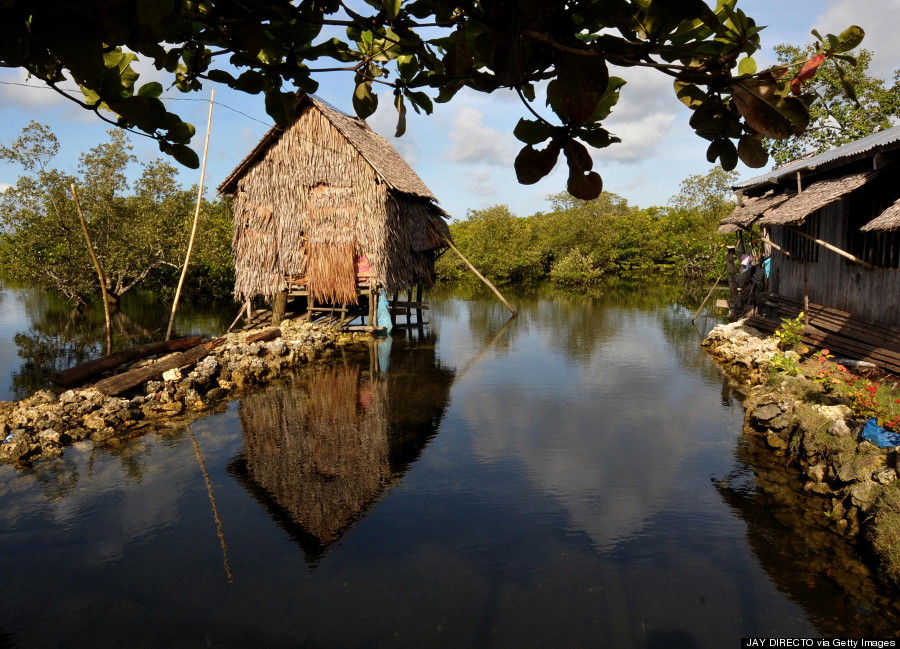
(533, 164)
(580, 84)
(766, 111)
(751, 151)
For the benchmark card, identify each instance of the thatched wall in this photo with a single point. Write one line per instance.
(312, 201)
(872, 295)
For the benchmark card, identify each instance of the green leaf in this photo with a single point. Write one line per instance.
(281, 106)
(391, 7)
(418, 100)
(151, 12)
(848, 39)
(182, 132)
(532, 131)
(185, 155)
(153, 89)
(847, 84)
(609, 99)
(401, 115)
(747, 66)
(724, 150)
(407, 66)
(365, 102)
(689, 94)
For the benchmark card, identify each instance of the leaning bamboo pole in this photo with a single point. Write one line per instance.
(480, 276)
(100, 273)
(187, 256)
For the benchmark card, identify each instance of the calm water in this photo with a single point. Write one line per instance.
(572, 478)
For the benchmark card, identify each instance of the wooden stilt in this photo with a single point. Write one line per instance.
(279, 306)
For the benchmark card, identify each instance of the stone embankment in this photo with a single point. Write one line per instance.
(43, 424)
(851, 485)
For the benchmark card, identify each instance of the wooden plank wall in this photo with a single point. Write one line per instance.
(872, 295)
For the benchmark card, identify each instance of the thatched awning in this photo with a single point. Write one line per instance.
(752, 209)
(887, 221)
(376, 150)
(814, 198)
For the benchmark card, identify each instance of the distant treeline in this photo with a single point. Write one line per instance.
(580, 242)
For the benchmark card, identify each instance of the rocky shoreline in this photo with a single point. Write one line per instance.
(42, 425)
(847, 485)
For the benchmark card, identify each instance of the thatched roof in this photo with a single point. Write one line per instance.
(887, 221)
(814, 198)
(376, 150)
(753, 208)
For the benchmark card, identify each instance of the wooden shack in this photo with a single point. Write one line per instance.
(326, 210)
(831, 223)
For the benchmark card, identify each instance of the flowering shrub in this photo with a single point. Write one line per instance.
(867, 398)
(788, 334)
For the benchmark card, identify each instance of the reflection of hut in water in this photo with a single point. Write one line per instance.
(321, 446)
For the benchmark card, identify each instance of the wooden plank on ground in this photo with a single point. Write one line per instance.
(120, 383)
(85, 371)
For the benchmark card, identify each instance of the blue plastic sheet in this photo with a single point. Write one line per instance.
(384, 316)
(874, 433)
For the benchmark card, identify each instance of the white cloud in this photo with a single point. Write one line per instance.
(482, 184)
(471, 140)
(640, 136)
(4, 187)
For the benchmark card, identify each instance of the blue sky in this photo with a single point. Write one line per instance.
(465, 150)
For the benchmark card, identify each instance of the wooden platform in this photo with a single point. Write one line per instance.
(835, 330)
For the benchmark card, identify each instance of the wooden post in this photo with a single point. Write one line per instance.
(187, 256)
(100, 274)
(731, 269)
(480, 276)
(805, 292)
(419, 302)
(279, 307)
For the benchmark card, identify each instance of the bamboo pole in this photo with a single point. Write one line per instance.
(100, 274)
(832, 248)
(480, 276)
(187, 256)
(708, 295)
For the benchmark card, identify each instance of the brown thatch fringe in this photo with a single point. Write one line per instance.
(331, 273)
(814, 198)
(887, 221)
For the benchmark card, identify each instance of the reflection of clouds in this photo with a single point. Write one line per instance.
(103, 490)
(594, 444)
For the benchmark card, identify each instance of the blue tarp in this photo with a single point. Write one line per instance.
(384, 316)
(874, 433)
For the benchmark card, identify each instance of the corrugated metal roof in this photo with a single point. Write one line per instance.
(886, 139)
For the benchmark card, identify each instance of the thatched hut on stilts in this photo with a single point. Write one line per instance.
(327, 212)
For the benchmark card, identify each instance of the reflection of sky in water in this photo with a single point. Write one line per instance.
(565, 501)
(13, 318)
(607, 438)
